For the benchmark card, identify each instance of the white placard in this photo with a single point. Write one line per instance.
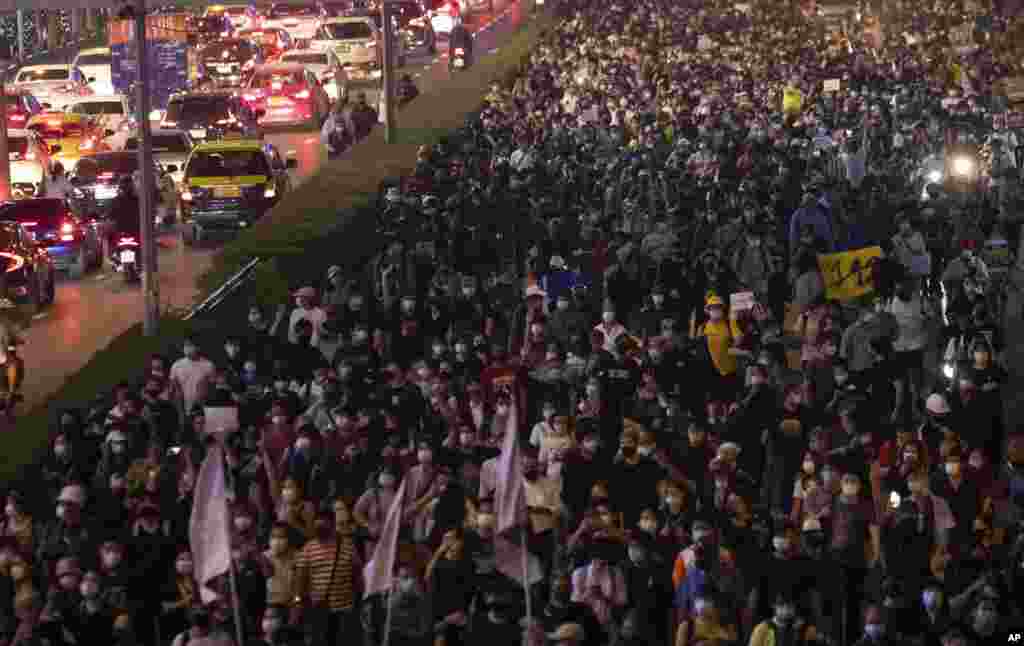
(741, 302)
(218, 420)
(832, 85)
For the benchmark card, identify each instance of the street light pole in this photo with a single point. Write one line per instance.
(150, 292)
(388, 74)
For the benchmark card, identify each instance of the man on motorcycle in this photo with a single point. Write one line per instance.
(461, 38)
(124, 213)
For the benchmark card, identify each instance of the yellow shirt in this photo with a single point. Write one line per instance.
(719, 340)
(792, 100)
(763, 634)
(710, 633)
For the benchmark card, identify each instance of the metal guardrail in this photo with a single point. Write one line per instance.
(229, 287)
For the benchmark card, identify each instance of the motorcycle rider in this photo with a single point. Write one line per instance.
(460, 37)
(58, 185)
(124, 213)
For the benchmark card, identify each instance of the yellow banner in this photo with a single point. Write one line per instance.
(849, 275)
(792, 100)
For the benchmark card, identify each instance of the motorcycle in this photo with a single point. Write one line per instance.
(458, 60)
(125, 257)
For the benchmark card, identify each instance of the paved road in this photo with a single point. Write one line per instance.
(91, 312)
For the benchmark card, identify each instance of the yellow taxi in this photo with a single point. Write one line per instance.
(68, 136)
(229, 184)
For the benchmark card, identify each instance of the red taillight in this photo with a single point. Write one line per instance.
(67, 227)
(127, 240)
(17, 117)
(303, 94)
(459, 51)
(67, 238)
(106, 176)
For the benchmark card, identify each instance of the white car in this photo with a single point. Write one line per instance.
(171, 148)
(54, 86)
(95, 64)
(29, 158)
(300, 20)
(357, 42)
(325, 65)
(111, 112)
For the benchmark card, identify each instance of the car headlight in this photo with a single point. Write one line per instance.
(935, 176)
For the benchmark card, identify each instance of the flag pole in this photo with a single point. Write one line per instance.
(387, 617)
(235, 600)
(526, 579)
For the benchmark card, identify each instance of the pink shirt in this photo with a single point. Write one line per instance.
(608, 582)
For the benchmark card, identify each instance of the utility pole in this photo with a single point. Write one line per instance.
(388, 74)
(150, 293)
(21, 35)
(5, 157)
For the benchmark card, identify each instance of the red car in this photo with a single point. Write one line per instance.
(287, 94)
(21, 106)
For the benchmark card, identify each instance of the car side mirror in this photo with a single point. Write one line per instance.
(54, 149)
(291, 163)
(171, 168)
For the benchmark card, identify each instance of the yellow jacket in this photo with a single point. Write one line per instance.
(764, 634)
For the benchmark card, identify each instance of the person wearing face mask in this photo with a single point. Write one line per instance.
(876, 629)
(372, 506)
(707, 625)
(785, 626)
(649, 588)
(69, 533)
(495, 622)
(62, 465)
(716, 338)
(566, 321)
(634, 478)
(601, 585)
(92, 621)
(856, 544)
(17, 523)
(191, 376)
(913, 528)
(273, 628)
(325, 584)
(961, 493)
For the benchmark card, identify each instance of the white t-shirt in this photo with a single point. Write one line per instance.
(911, 320)
(191, 377)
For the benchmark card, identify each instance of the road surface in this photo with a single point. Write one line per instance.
(89, 313)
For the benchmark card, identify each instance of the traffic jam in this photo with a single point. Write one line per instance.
(246, 70)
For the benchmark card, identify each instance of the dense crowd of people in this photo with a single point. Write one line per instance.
(625, 257)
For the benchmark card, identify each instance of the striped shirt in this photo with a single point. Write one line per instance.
(313, 566)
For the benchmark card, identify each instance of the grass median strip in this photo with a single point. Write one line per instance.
(328, 220)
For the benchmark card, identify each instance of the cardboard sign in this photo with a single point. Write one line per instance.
(832, 85)
(741, 302)
(849, 275)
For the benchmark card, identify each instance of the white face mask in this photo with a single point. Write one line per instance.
(608, 317)
(645, 451)
(269, 626)
(386, 480)
(184, 568)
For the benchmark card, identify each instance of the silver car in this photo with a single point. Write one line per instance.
(171, 148)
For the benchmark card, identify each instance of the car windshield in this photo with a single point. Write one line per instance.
(52, 74)
(306, 59)
(42, 214)
(230, 51)
(49, 130)
(279, 11)
(267, 80)
(198, 109)
(228, 163)
(356, 29)
(99, 107)
(94, 59)
(17, 145)
(162, 144)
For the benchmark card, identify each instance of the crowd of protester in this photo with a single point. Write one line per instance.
(789, 467)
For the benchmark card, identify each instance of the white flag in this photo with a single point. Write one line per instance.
(208, 531)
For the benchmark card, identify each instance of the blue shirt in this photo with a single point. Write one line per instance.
(818, 218)
(690, 588)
